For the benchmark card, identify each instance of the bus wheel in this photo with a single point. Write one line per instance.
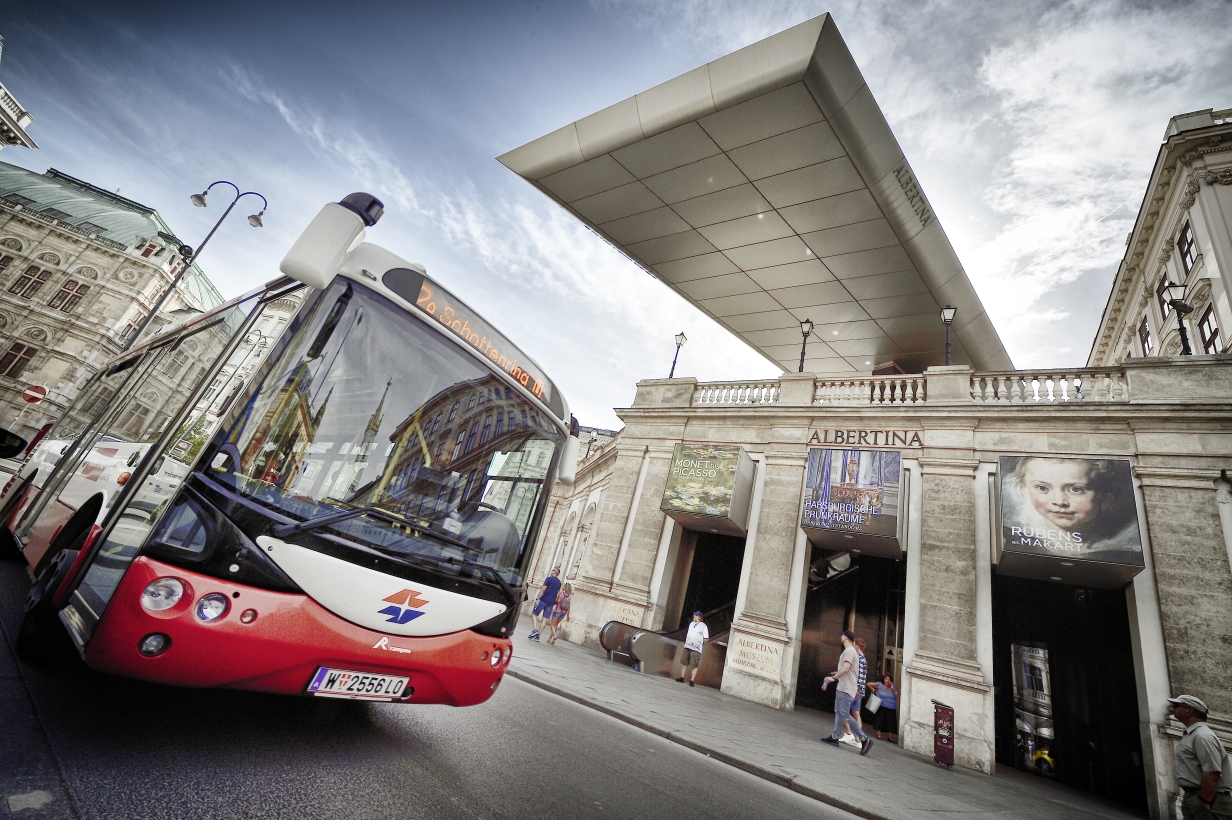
(39, 625)
(71, 535)
(10, 547)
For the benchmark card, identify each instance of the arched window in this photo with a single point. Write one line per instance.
(582, 541)
(562, 542)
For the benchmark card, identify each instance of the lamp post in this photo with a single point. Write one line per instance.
(680, 340)
(947, 316)
(1182, 310)
(191, 256)
(806, 327)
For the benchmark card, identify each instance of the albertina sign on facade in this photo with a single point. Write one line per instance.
(709, 488)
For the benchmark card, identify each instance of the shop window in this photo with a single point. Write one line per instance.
(29, 282)
(1185, 246)
(1144, 337)
(69, 295)
(1161, 293)
(16, 359)
(1208, 329)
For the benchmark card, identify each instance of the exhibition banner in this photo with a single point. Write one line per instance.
(853, 491)
(1075, 509)
(708, 487)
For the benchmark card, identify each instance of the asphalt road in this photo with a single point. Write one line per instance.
(77, 744)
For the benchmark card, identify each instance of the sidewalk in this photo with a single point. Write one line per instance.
(785, 747)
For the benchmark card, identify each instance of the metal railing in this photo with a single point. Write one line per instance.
(733, 394)
(1086, 386)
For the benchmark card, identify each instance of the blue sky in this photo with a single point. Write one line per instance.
(1032, 128)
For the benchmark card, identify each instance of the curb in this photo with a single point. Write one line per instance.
(745, 766)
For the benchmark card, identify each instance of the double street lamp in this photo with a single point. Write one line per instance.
(680, 340)
(1182, 310)
(191, 256)
(806, 328)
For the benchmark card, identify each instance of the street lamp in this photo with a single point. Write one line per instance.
(190, 256)
(680, 340)
(1182, 309)
(806, 327)
(947, 316)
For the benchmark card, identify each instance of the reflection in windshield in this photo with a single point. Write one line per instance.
(368, 407)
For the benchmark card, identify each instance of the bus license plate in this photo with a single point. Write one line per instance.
(346, 683)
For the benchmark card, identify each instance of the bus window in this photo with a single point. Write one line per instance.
(346, 416)
(159, 398)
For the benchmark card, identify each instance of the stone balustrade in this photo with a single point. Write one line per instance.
(1085, 386)
(1188, 379)
(871, 390)
(731, 394)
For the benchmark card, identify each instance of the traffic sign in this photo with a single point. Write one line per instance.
(34, 393)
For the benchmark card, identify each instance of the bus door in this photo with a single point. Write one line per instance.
(72, 459)
(192, 392)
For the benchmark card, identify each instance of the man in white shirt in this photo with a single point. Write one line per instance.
(848, 690)
(693, 643)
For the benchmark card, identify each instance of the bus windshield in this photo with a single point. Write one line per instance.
(366, 406)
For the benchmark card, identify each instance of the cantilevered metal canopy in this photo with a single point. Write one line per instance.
(766, 188)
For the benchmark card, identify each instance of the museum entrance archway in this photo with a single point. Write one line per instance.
(706, 577)
(856, 592)
(1066, 696)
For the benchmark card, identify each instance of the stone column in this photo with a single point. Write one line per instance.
(946, 664)
(759, 662)
(1194, 584)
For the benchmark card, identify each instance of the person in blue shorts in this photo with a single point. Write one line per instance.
(545, 604)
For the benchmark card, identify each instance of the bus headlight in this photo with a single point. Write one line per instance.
(496, 657)
(212, 607)
(162, 593)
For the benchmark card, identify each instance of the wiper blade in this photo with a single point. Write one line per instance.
(284, 530)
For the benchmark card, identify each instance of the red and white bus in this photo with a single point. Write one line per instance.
(328, 486)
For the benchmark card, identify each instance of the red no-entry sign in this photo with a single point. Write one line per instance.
(34, 393)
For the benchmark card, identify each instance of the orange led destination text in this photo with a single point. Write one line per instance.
(448, 316)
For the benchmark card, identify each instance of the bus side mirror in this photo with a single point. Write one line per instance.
(317, 255)
(11, 444)
(569, 456)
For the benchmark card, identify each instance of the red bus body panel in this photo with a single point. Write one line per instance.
(48, 527)
(281, 650)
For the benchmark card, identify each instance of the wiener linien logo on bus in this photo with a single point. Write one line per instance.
(404, 607)
(450, 318)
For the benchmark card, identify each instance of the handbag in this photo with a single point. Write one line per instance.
(873, 703)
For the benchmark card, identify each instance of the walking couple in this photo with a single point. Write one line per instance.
(851, 675)
(551, 607)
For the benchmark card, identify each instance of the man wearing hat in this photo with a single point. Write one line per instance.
(1202, 768)
(693, 643)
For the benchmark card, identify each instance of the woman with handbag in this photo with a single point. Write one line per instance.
(884, 705)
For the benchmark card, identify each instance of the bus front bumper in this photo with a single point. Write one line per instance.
(280, 650)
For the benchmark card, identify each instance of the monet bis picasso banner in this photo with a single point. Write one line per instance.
(1066, 518)
(709, 487)
(852, 498)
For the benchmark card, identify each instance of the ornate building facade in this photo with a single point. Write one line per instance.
(1182, 236)
(80, 268)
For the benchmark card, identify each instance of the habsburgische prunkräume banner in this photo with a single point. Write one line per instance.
(852, 492)
(1070, 508)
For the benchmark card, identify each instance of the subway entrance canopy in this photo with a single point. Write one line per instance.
(767, 188)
